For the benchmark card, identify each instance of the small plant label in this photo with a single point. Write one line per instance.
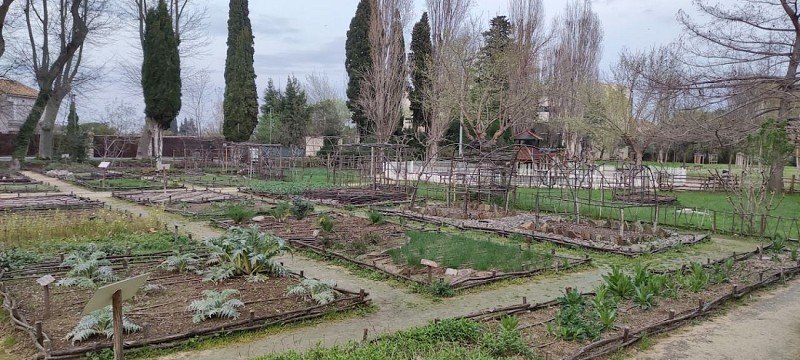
(430, 263)
(46, 280)
(104, 164)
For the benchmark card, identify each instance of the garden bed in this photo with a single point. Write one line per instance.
(397, 250)
(571, 327)
(175, 196)
(15, 178)
(29, 187)
(199, 203)
(128, 183)
(161, 311)
(283, 189)
(48, 202)
(355, 196)
(634, 238)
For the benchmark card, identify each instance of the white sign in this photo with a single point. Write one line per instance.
(430, 263)
(104, 164)
(65, 156)
(45, 280)
(102, 297)
(162, 167)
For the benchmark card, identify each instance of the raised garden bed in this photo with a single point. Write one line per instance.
(48, 202)
(128, 183)
(15, 178)
(634, 238)
(381, 247)
(197, 203)
(162, 312)
(283, 189)
(30, 187)
(355, 196)
(553, 327)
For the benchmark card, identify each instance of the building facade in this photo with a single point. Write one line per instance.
(16, 101)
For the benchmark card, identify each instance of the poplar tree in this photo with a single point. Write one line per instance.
(240, 104)
(74, 140)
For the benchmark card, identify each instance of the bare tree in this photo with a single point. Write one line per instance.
(198, 90)
(4, 7)
(46, 34)
(448, 35)
(572, 66)
(73, 24)
(746, 45)
(644, 95)
(318, 87)
(384, 85)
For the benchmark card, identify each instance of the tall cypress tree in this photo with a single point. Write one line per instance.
(421, 58)
(161, 71)
(295, 114)
(357, 63)
(240, 105)
(74, 140)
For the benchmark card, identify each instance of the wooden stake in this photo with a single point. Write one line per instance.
(39, 336)
(430, 274)
(671, 314)
(116, 308)
(625, 334)
(46, 301)
(524, 300)
(366, 332)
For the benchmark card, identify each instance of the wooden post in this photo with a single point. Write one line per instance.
(252, 318)
(791, 185)
(671, 314)
(714, 221)
(626, 334)
(430, 274)
(366, 332)
(116, 308)
(39, 336)
(524, 300)
(46, 301)
(621, 222)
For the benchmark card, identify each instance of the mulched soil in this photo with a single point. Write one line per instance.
(533, 325)
(216, 208)
(163, 311)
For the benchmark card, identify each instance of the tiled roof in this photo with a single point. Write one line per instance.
(12, 87)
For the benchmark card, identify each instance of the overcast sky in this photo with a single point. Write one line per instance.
(305, 36)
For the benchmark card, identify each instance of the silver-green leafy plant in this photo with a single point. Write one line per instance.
(216, 304)
(181, 263)
(247, 252)
(87, 270)
(321, 291)
(99, 323)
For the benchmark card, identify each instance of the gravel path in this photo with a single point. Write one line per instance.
(767, 329)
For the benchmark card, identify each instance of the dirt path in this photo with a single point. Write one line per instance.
(399, 309)
(767, 328)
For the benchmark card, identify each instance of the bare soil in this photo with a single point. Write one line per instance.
(163, 312)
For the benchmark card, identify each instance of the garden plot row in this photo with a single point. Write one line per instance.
(49, 202)
(172, 307)
(355, 196)
(618, 237)
(199, 203)
(19, 183)
(628, 307)
(398, 251)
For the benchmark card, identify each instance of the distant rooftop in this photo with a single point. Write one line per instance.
(13, 87)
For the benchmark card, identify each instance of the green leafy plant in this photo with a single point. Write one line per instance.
(15, 259)
(641, 274)
(697, 279)
(375, 217)
(301, 208)
(508, 341)
(778, 244)
(644, 297)
(281, 211)
(181, 263)
(605, 307)
(216, 305)
(618, 283)
(573, 321)
(326, 223)
(245, 252)
(438, 288)
(99, 323)
(239, 213)
(320, 291)
(87, 270)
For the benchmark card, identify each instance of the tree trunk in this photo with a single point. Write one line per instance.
(144, 151)
(157, 141)
(775, 183)
(47, 123)
(639, 153)
(26, 130)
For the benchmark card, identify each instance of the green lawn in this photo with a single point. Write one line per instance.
(456, 251)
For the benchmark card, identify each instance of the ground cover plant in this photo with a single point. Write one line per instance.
(128, 184)
(458, 251)
(447, 339)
